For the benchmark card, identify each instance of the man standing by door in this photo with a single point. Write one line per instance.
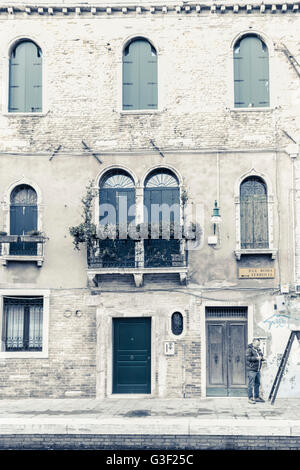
(254, 358)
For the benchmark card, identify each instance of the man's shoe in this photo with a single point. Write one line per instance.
(260, 400)
(252, 401)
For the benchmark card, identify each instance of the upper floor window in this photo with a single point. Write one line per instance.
(254, 213)
(139, 75)
(251, 72)
(23, 218)
(25, 78)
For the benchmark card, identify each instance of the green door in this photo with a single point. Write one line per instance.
(132, 355)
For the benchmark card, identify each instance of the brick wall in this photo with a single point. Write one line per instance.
(70, 366)
(142, 442)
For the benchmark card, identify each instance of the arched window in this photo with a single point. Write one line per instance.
(23, 218)
(161, 208)
(177, 323)
(251, 72)
(161, 188)
(25, 78)
(254, 213)
(117, 196)
(139, 75)
(117, 207)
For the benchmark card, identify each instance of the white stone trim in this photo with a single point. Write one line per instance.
(46, 311)
(203, 342)
(272, 72)
(5, 67)
(270, 203)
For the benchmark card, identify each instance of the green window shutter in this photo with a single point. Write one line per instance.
(25, 78)
(148, 76)
(131, 76)
(260, 73)
(251, 73)
(139, 76)
(16, 103)
(33, 91)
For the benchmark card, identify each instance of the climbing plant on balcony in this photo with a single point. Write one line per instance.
(86, 231)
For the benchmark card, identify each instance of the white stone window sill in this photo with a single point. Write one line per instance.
(140, 111)
(38, 259)
(252, 110)
(255, 251)
(24, 114)
(23, 355)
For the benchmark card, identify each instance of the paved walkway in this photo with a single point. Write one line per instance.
(150, 416)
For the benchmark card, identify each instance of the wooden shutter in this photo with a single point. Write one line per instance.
(242, 92)
(148, 76)
(254, 214)
(251, 73)
(33, 78)
(139, 76)
(17, 68)
(25, 78)
(260, 73)
(131, 76)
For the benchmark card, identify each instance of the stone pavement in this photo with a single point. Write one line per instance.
(150, 416)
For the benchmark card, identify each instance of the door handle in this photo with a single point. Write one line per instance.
(216, 358)
(237, 359)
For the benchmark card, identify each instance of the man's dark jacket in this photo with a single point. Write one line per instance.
(252, 358)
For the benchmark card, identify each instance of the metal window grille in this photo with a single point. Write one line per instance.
(226, 313)
(23, 319)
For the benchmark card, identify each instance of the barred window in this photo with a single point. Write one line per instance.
(23, 323)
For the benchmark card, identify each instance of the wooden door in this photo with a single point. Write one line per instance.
(226, 346)
(132, 355)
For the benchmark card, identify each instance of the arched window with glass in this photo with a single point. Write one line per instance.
(139, 75)
(117, 208)
(23, 219)
(25, 78)
(254, 213)
(251, 72)
(161, 209)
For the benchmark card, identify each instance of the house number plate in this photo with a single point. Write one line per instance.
(169, 348)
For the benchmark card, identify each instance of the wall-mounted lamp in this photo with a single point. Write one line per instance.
(216, 217)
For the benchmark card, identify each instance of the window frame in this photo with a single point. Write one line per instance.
(5, 256)
(270, 208)
(272, 74)
(45, 293)
(160, 75)
(6, 66)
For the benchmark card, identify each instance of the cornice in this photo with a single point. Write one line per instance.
(10, 10)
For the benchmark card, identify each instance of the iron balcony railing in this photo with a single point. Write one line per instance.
(131, 253)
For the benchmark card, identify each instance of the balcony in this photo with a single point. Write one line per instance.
(136, 257)
(22, 248)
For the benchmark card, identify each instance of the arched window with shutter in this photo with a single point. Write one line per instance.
(139, 75)
(251, 72)
(254, 213)
(25, 78)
